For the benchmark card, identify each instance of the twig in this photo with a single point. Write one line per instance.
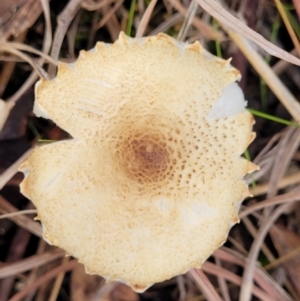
(63, 21)
(71, 34)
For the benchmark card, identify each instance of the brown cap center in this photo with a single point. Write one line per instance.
(145, 157)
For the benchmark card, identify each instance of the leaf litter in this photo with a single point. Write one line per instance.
(276, 191)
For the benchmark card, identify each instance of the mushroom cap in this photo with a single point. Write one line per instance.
(152, 181)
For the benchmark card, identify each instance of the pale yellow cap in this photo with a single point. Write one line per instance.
(152, 181)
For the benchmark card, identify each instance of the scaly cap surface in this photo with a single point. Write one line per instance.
(153, 179)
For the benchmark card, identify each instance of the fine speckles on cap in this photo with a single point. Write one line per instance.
(149, 186)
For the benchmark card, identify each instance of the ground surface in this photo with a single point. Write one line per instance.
(263, 248)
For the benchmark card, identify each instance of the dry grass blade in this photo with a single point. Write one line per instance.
(9, 67)
(222, 282)
(36, 272)
(265, 159)
(288, 197)
(121, 292)
(21, 220)
(281, 65)
(283, 259)
(167, 24)
(106, 289)
(210, 268)
(247, 285)
(9, 48)
(48, 276)
(287, 147)
(286, 242)
(90, 5)
(27, 48)
(181, 288)
(46, 47)
(271, 79)
(112, 24)
(264, 280)
(204, 285)
(288, 25)
(13, 169)
(252, 229)
(84, 286)
(288, 180)
(109, 14)
(5, 108)
(30, 263)
(8, 215)
(57, 283)
(145, 19)
(207, 31)
(228, 20)
(191, 13)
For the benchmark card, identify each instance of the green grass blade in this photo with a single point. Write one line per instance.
(273, 118)
(217, 41)
(130, 18)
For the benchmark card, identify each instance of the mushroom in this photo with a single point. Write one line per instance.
(152, 181)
